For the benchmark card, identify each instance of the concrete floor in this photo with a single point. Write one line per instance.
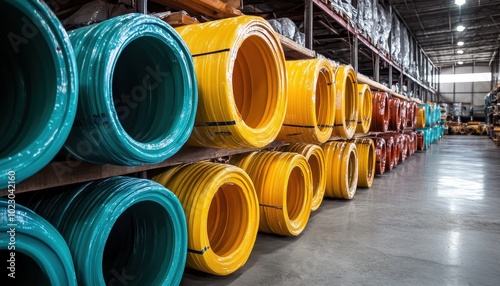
(433, 220)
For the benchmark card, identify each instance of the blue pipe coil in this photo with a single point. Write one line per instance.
(138, 92)
(41, 256)
(120, 227)
(38, 87)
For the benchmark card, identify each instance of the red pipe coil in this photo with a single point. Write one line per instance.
(390, 149)
(380, 153)
(403, 107)
(403, 151)
(380, 113)
(420, 141)
(395, 114)
(411, 115)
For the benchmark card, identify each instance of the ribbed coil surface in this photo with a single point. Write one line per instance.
(367, 160)
(380, 151)
(365, 108)
(316, 159)
(403, 107)
(120, 225)
(283, 182)
(395, 117)
(39, 88)
(346, 102)
(341, 169)
(381, 112)
(241, 73)
(222, 212)
(138, 92)
(310, 112)
(390, 150)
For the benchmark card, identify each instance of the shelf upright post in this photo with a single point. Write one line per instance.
(308, 23)
(376, 71)
(142, 6)
(354, 53)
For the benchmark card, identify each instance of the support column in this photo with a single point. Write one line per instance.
(308, 23)
(354, 53)
(142, 6)
(376, 70)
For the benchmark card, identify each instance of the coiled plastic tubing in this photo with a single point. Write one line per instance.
(42, 257)
(241, 73)
(365, 108)
(222, 212)
(283, 182)
(316, 159)
(380, 151)
(310, 112)
(381, 112)
(346, 103)
(341, 169)
(395, 118)
(37, 108)
(138, 92)
(366, 161)
(124, 226)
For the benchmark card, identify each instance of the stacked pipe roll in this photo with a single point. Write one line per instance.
(120, 225)
(412, 115)
(310, 112)
(412, 143)
(138, 92)
(346, 103)
(395, 114)
(41, 256)
(38, 108)
(390, 151)
(426, 133)
(403, 147)
(341, 169)
(420, 141)
(421, 117)
(222, 212)
(404, 113)
(283, 183)
(367, 160)
(240, 66)
(316, 159)
(380, 151)
(365, 109)
(380, 113)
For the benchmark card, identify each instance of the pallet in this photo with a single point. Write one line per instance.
(177, 20)
(213, 8)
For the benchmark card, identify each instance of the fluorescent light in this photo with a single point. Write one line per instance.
(460, 2)
(460, 43)
(467, 77)
(460, 28)
(460, 52)
(460, 62)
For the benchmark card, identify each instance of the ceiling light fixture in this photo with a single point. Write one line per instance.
(460, 52)
(460, 28)
(460, 43)
(460, 2)
(460, 62)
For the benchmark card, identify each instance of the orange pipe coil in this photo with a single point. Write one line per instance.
(283, 182)
(404, 113)
(411, 115)
(346, 102)
(380, 152)
(395, 117)
(420, 141)
(316, 159)
(390, 150)
(365, 109)
(341, 169)
(241, 73)
(380, 113)
(310, 112)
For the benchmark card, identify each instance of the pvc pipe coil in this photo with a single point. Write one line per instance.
(390, 150)
(39, 90)
(403, 107)
(222, 212)
(40, 252)
(347, 101)
(365, 109)
(241, 73)
(366, 161)
(411, 115)
(395, 118)
(310, 111)
(316, 159)
(283, 182)
(341, 169)
(120, 226)
(380, 151)
(380, 113)
(421, 117)
(138, 93)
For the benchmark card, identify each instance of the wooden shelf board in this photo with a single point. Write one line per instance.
(213, 8)
(294, 51)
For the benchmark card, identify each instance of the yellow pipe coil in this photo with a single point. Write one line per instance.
(346, 102)
(365, 109)
(367, 159)
(310, 112)
(222, 213)
(420, 117)
(316, 159)
(283, 182)
(341, 169)
(240, 66)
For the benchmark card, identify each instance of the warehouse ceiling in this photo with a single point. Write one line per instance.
(432, 22)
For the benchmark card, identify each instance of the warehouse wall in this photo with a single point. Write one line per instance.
(465, 92)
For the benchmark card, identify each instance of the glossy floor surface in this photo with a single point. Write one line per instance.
(433, 220)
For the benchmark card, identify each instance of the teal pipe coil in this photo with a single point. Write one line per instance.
(41, 256)
(38, 87)
(138, 92)
(124, 226)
